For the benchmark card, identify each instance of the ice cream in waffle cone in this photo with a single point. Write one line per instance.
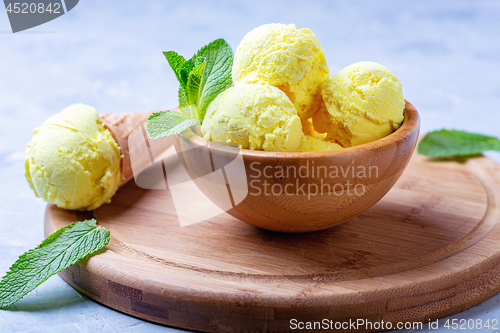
(78, 159)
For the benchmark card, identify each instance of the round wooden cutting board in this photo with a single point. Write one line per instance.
(428, 249)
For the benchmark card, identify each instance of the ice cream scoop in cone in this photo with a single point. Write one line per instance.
(78, 159)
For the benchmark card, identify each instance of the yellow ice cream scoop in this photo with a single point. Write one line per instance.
(285, 57)
(310, 143)
(73, 161)
(253, 116)
(362, 103)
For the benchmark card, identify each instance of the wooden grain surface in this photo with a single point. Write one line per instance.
(428, 249)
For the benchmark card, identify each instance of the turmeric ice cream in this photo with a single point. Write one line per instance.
(253, 116)
(362, 103)
(314, 143)
(72, 161)
(282, 99)
(285, 57)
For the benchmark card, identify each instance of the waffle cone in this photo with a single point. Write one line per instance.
(121, 126)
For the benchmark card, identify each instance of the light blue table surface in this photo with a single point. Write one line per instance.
(109, 54)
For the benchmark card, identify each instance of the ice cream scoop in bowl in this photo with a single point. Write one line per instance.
(299, 191)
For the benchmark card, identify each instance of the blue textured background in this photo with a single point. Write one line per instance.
(109, 54)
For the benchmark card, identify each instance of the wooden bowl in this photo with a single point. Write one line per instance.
(299, 191)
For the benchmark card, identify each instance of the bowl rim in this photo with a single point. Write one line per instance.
(411, 123)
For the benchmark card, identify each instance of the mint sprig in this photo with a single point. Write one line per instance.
(166, 123)
(453, 143)
(194, 87)
(201, 79)
(60, 250)
(217, 73)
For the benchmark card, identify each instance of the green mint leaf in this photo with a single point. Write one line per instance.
(453, 143)
(176, 62)
(194, 87)
(189, 112)
(198, 61)
(183, 101)
(202, 78)
(185, 70)
(166, 123)
(188, 68)
(60, 250)
(217, 73)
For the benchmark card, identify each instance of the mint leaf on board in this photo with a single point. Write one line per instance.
(60, 250)
(166, 123)
(453, 143)
(217, 74)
